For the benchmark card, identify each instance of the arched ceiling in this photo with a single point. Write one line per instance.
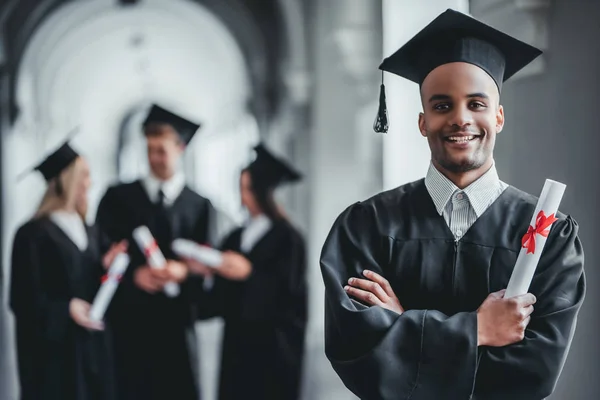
(175, 53)
(270, 34)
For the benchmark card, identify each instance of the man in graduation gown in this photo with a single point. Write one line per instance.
(414, 276)
(155, 340)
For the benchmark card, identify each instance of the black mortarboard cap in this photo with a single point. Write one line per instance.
(184, 128)
(55, 162)
(456, 37)
(269, 171)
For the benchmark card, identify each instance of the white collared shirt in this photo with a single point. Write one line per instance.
(461, 208)
(171, 188)
(72, 225)
(254, 231)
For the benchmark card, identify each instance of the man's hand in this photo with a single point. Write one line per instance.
(114, 250)
(235, 266)
(501, 321)
(79, 310)
(375, 291)
(151, 280)
(177, 271)
(198, 268)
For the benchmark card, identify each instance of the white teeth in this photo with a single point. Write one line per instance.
(461, 139)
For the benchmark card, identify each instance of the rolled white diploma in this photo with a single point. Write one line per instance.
(188, 249)
(154, 256)
(110, 282)
(535, 239)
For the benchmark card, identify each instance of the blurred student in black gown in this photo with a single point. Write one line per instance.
(154, 337)
(260, 291)
(56, 271)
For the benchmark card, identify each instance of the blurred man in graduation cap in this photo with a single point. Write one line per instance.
(155, 340)
(414, 275)
(57, 266)
(260, 291)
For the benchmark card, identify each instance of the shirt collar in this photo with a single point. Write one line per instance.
(171, 188)
(73, 226)
(255, 230)
(478, 193)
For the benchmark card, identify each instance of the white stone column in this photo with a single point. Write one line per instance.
(405, 152)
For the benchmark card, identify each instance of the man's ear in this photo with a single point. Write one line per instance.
(499, 119)
(422, 126)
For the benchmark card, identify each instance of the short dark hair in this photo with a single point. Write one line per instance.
(156, 129)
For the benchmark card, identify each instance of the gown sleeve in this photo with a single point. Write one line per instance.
(377, 353)
(211, 299)
(530, 368)
(111, 224)
(277, 281)
(109, 219)
(274, 291)
(196, 288)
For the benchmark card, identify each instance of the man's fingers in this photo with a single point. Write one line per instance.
(160, 274)
(159, 283)
(384, 283)
(369, 286)
(151, 284)
(93, 325)
(526, 299)
(82, 318)
(365, 296)
(527, 311)
(152, 287)
(525, 322)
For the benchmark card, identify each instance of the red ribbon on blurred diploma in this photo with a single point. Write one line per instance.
(150, 249)
(105, 277)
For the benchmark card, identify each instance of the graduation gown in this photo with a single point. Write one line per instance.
(154, 336)
(430, 351)
(57, 359)
(265, 318)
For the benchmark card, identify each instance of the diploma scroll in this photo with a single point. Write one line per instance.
(203, 254)
(110, 282)
(534, 240)
(154, 256)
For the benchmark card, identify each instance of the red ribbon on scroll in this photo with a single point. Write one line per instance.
(542, 227)
(150, 249)
(106, 276)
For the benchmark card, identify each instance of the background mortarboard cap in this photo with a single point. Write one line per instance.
(457, 37)
(56, 161)
(269, 171)
(184, 128)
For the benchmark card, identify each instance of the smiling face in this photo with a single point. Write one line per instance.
(461, 117)
(165, 149)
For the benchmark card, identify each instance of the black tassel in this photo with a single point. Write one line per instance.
(381, 123)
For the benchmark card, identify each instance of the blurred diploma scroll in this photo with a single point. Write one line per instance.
(203, 254)
(110, 282)
(154, 257)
